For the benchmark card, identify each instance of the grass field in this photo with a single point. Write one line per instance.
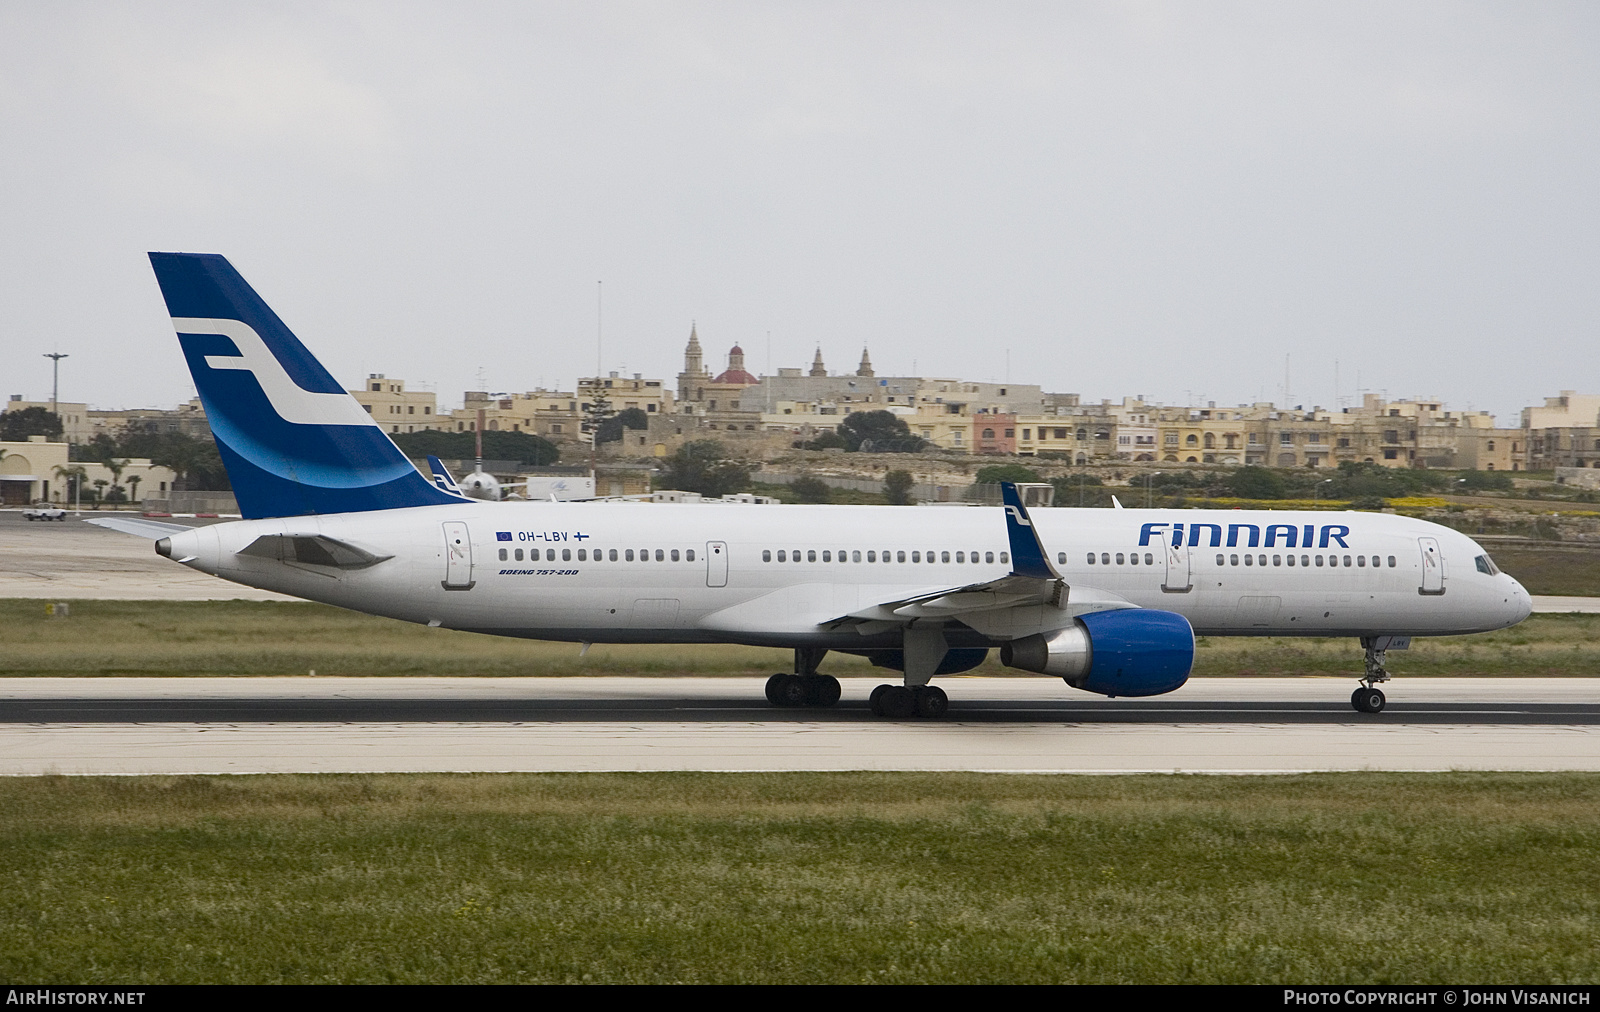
(1558, 571)
(158, 638)
(895, 878)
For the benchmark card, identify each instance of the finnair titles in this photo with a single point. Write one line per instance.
(1109, 601)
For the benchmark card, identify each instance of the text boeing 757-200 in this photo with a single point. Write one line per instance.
(1108, 600)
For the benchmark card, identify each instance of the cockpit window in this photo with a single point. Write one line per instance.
(1486, 566)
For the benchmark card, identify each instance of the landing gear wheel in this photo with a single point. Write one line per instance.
(897, 702)
(875, 701)
(1368, 700)
(931, 701)
(774, 685)
(822, 690)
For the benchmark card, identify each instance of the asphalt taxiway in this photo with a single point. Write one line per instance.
(264, 725)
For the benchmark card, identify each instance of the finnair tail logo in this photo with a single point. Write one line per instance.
(1016, 514)
(291, 402)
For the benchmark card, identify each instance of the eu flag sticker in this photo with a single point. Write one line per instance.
(502, 535)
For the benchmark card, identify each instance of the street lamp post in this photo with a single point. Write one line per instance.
(1316, 489)
(1147, 481)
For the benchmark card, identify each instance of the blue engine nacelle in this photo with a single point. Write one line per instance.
(1128, 652)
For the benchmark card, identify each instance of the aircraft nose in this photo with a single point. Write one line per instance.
(1521, 602)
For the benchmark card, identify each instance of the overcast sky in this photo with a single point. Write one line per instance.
(1128, 198)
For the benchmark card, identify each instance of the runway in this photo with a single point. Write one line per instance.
(268, 725)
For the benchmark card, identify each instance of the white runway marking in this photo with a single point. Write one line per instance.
(1235, 742)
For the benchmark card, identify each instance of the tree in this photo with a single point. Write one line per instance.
(809, 489)
(897, 488)
(99, 490)
(996, 473)
(74, 475)
(1477, 480)
(17, 426)
(627, 418)
(878, 432)
(829, 440)
(134, 480)
(699, 466)
(1253, 482)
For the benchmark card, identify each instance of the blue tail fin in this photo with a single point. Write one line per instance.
(1028, 557)
(293, 440)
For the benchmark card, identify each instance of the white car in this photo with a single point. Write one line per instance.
(44, 511)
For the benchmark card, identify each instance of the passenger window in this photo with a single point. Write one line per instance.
(1105, 558)
(674, 555)
(1233, 560)
(827, 556)
(916, 556)
(1391, 562)
(503, 555)
(1249, 560)
(1277, 560)
(1347, 561)
(1220, 560)
(1133, 559)
(549, 555)
(856, 556)
(872, 556)
(931, 556)
(1319, 560)
(566, 555)
(1261, 559)
(1305, 560)
(1361, 560)
(943, 556)
(766, 555)
(988, 556)
(629, 555)
(1376, 562)
(583, 555)
(899, 556)
(1148, 560)
(782, 557)
(1091, 558)
(794, 556)
(517, 555)
(689, 555)
(661, 555)
(613, 554)
(811, 556)
(1005, 557)
(962, 557)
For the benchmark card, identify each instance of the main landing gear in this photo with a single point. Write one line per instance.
(805, 687)
(900, 701)
(1369, 698)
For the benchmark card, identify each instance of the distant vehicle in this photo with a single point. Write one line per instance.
(45, 511)
(1109, 601)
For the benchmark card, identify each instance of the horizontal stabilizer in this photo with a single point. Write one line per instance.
(313, 550)
(138, 527)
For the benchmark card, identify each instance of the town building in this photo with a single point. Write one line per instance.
(397, 409)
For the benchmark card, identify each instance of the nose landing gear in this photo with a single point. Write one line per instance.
(1369, 698)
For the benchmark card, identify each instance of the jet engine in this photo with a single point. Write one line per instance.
(1128, 652)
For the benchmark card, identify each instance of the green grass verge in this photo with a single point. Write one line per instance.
(175, 638)
(777, 878)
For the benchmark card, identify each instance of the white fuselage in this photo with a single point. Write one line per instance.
(710, 572)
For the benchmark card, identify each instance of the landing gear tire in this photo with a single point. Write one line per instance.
(1368, 700)
(822, 690)
(893, 701)
(786, 690)
(875, 701)
(931, 701)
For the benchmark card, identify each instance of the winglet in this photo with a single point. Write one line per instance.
(1028, 556)
(441, 476)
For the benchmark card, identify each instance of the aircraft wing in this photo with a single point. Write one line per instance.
(1033, 594)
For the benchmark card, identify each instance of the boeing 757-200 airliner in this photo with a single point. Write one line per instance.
(1108, 600)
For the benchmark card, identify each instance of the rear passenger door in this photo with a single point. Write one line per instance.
(716, 563)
